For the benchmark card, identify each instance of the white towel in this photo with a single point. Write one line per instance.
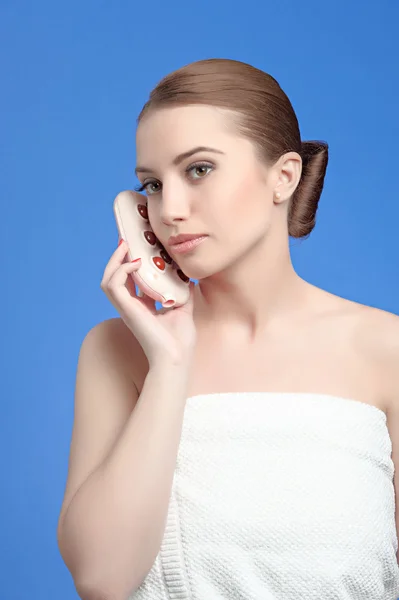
(279, 496)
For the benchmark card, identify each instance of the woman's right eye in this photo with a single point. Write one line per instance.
(142, 188)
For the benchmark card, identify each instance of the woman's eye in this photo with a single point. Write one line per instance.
(146, 186)
(199, 167)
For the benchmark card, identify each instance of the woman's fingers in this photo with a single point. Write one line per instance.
(117, 259)
(116, 289)
(131, 287)
(120, 291)
(129, 281)
(117, 275)
(146, 300)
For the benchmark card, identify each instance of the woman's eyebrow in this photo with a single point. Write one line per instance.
(180, 157)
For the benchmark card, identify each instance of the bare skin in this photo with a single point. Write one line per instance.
(326, 349)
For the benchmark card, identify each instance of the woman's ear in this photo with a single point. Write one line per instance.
(288, 171)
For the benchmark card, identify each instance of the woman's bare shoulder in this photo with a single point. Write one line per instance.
(118, 346)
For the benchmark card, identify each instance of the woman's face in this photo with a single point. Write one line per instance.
(226, 193)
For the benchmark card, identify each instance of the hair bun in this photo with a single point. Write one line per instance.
(305, 200)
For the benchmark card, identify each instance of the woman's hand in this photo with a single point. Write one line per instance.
(167, 336)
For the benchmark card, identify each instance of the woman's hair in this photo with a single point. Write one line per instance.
(262, 113)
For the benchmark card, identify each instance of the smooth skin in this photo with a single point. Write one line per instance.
(252, 324)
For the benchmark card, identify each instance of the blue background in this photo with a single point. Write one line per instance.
(74, 77)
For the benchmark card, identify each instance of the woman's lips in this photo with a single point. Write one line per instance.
(187, 246)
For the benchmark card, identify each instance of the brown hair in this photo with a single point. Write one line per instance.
(263, 114)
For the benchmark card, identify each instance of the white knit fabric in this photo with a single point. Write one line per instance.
(279, 496)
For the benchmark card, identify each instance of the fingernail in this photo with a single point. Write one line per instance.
(136, 260)
(120, 241)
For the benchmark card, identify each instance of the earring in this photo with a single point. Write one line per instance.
(278, 195)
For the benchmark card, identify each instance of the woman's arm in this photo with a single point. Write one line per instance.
(123, 455)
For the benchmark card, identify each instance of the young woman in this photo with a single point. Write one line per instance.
(242, 445)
